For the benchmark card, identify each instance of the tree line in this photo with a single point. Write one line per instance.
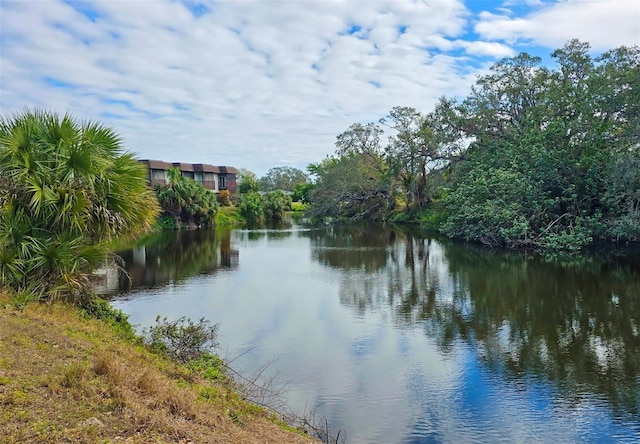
(534, 157)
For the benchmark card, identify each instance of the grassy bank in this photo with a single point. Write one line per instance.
(298, 207)
(66, 377)
(229, 216)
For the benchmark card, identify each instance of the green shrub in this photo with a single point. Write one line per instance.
(166, 223)
(182, 339)
(301, 192)
(252, 208)
(567, 242)
(210, 366)
(100, 309)
(275, 205)
(187, 201)
(248, 184)
(402, 217)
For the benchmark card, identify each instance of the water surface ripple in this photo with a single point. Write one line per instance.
(399, 338)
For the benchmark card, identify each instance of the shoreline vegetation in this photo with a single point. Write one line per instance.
(69, 193)
(533, 159)
(67, 376)
(538, 158)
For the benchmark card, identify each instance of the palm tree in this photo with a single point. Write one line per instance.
(187, 201)
(67, 189)
(171, 197)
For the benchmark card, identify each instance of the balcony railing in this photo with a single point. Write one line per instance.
(209, 184)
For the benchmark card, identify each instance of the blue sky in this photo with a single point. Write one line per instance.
(258, 84)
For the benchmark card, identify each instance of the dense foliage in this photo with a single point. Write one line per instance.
(419, 146)
(281, 178)
(224, 198)
(247, 181)
(350, 186)
(301, 192)
(251, 208)
(257, 208)
(66, 190)
(188, 202)
(553, 164)
(533, 158)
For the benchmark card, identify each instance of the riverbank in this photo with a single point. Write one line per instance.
(229, 216)
(67, 377)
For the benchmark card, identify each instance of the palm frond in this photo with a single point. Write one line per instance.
(66, 188)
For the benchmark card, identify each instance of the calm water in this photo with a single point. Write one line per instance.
(396, 338)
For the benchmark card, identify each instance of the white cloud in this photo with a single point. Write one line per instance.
(604, 24)
(509, 3)
(251, 84)
(492, 49)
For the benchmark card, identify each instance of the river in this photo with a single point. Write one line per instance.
(395, 337)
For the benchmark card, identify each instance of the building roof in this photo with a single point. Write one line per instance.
(205, 168)
(156, 164)
(183, 166)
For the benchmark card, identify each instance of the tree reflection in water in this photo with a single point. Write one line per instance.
(170, 257)
(576, 325)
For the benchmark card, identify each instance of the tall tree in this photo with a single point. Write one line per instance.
(504, 102)
(351, 186)
(247, 181)
(66, 190)
(548, 148)
(360, 139)
(282, 178)
(419, 145)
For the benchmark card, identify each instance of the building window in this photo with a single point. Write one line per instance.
(158, 175)
(222, 182)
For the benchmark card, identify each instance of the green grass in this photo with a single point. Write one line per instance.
(64, 369)
(229, 216)
(298, 206)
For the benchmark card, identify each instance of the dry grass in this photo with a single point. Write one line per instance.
(67, 379)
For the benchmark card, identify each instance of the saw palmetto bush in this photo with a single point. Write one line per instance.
(188, 202)
(67, 189)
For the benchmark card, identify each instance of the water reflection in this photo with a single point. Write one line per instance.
(400, 338)
(575, 326)
(273, 230)
(170, 257)
(353, 246)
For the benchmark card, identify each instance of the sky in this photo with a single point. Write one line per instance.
(257, 84)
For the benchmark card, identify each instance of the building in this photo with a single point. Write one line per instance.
(214, 178)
